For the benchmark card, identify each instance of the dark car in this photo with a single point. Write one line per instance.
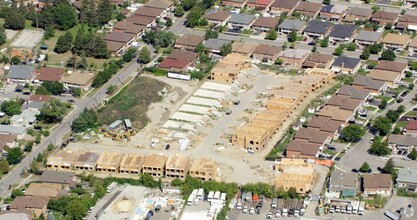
(312, 43)
(370, 171)
(354, 170)
(167, 147)
(71, 100)
(400, 100)
(404, 94)
(26, 93)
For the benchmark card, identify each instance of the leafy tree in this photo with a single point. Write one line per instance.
(120, 16)
(382, 125)
(104, 11)
(50, 147)
(41, 90)
(188, 4)
(2, 36)
(129, 54)
(200, 48)
(15, 156)
(49, 32)
(76, 92)
(53, 111)
(16, 192)
(87, 120)
(158, 38)
(352, 133)
(111, 89)
(34, 167)
(375, 8)
(388, 26)
(379, 148)
(65, 16)
(179, 11)
(351, 46)
(314, 49)
(211, 34)
(169, 22)
(365, 54)
(411, 86)
(15, 60)
(412, 155)
(148, 181)
(226, 49)
(207, 3)
(389, 167)
(338, 51)
(14, 21)
(64, 43)
(383, 104)
(4, 167)
(365, 167)
(28, 146)
(271, 35)
(388, 55)
(324, 42)
(39, 158)
(375, 48)
(401, 109)
(278, 61)
(293, 36)
(144, 55)
(393, 115)
(76, 209)
(396, 130)
(326, 2)
(194, 16)
(54, 88)
(11, 107)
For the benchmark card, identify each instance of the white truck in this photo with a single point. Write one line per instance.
(361, 208)
(190, 200)
(200, 194)
(355, 207)
(111, 187)
(232, 203)
(349, 208)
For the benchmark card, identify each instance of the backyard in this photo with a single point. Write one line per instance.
(132, 102)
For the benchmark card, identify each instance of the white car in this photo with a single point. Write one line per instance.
(407, 159)
(384, 157)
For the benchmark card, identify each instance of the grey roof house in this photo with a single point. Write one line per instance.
(14, 130)
(344, 184)
(289, 24)
(365, 38)
(366, 82)
(407, 178)
(215, 44)
(20, 73)
(402, 141)
(239, 21)
(357, 14)
(59, 177)
(353, 92)
(346, 65)
(342, 33)
(318, 29)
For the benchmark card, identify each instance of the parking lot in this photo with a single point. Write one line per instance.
(27, 39)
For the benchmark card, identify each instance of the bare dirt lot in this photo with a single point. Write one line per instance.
(27, 39)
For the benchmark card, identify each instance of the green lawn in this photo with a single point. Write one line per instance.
(132, 102)
(410, 80)
(330, 152)
(371, 108)
(247, 32)
(411, 113)
(401, 124)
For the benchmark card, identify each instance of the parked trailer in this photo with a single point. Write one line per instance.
(232, 203)
(355, 207)
(223, 197)
(391, 215)
(210, 196)
(217, 195)
(200, 194)
(190, 200)
(349, 208)
(298, 208)
(280, 205)
(286, 207)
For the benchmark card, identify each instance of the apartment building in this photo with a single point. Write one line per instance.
(132, 163)
(204, 169)
(154, 165)
(177, 166)
(109, 162)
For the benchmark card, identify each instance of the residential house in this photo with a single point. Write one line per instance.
(366, 38)
(214, 44)
(178, 61)
(325, 124)
(154, 165)
(86, 161)
(148, 12)
(346, 65)
(302, 149)
(318, 29)
(288, 25)
(77, 79)
(261, 5)
(411, 128)
(354, 92)
(333, 12)
(26, 118)
(234, 3)
(407, 22)
(243, 48)
(318, 60)
(313, 135)
(342, 184)
(385, 17)
(49, 74)
(22, 214)
(265, 23)
(7, 140)
(388, 77)
(377, 184)
(188, 42)
(265, 54)
(20, 74)
(342, 33)
(402, 142)
(393, 66)
(39, 98)
(63, 178)
(395, 41)
(52, 191)
(344, 102)
(357, 14)
(308, 10)
(163, 4)
(293, 57)
(129, 28)
(177, 166)
(228, 68)
(336, 113)
(407, 178)
(204, 169)
(117, 41)
(412, 47)
(35, 204)
(13, 130)
(241, 21)
(283, 6)
(367, 83)
(218, 17)
(141, 20)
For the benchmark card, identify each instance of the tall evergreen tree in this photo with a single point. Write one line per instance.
(78, 42)
(104, 11)
(101, 51)
(92, 18)
(64, 43)
(83, 12)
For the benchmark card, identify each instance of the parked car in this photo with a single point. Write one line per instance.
(404, 94)
(355, 170)
(407, 159)
(400, 100)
